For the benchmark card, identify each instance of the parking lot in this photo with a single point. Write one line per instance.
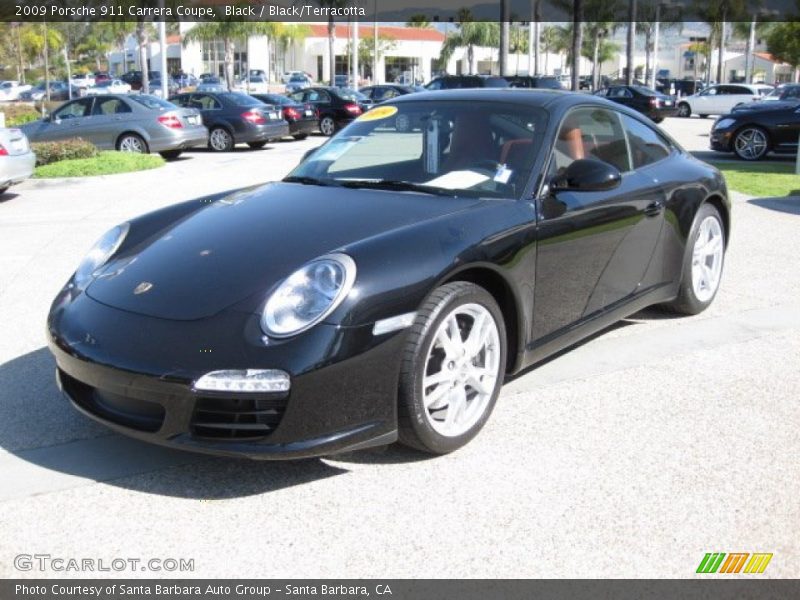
(631, 455)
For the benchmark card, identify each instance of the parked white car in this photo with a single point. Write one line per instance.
(17, 160)
(720, 99)
(10, 90)
(110, 86)
(84, 80)
(256, 85)
(288, 75)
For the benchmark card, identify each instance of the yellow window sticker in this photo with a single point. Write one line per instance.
(380, 112)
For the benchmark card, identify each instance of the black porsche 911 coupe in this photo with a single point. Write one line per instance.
(386, 287)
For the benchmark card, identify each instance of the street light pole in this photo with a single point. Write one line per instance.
(656, 31)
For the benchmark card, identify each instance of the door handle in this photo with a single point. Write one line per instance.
(654, 208)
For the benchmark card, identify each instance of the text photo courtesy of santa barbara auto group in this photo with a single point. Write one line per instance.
(391, 299)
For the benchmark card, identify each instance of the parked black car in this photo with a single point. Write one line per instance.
(454, 82)
(682, 87)
(359, 302)
(532, 82)
(336, 107)
(387, 91)
(235, 118)
(302, 118)
(655, 105)
(752, 130)
(134, 78)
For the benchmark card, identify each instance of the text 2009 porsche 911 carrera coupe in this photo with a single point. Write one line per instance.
(384, 289)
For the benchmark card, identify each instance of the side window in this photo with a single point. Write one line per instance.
(709, 92)
(110, 106)
(182, 100)
(73, 110)
(737, 89)
(205, 102)
(389, 93)
(324, 96)
(435, 85)
(590, 133)
(646, 144)
(312, 96)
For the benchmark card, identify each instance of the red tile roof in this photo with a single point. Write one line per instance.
(405, 34)
(769, 57)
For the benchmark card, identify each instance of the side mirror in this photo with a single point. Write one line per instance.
(587, 175)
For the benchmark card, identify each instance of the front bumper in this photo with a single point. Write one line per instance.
(134, 374)
(180, 139)
(720, 140)
(16, 168)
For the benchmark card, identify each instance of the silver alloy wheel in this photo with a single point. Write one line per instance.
(461, 370)
(707, 256)
(219, 139)
(750, 144)
(131, 143)
(684, 110)
(326, 126)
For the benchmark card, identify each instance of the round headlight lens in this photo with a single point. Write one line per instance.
(308, 295)
(724, 123)
(102, 250)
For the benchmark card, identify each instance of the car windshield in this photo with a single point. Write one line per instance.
(105, 83)
(211, 80)
(152, 102)
(442, 148)
(297, 78)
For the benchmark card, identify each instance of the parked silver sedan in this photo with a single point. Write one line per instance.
(16, 158)
(130, 123)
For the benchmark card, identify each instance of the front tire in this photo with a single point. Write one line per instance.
(702, 263)
(327, 126)
(684, 110)
(170, 154)
(300, 136)
(751, 143)
(220, 140)
(452, 368)
(130, 142)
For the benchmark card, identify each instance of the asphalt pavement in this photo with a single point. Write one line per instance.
(631, 455)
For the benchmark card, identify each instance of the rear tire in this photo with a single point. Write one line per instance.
(171, 154)
(658, 119)
(4, 189)
(452, 368)
(300, 136)
(220, 140)
(257, 145)
(130, 142)
(703, 262)
(327, 126)
(703, 116)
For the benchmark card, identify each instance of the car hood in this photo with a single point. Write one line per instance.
(767, 106)
(240, 247)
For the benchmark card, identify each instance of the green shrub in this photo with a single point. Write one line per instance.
(19, 114)
(50, 152)
(105, 163)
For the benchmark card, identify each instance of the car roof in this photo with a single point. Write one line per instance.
(537, 97)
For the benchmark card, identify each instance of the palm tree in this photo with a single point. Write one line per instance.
(290, 34)
(631, 42)
(469, 35)
(228, 32)
(598, 31)
(418, 20)
(549, 39)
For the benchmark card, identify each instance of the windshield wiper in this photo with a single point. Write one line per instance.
(305, 180)
(398, 185)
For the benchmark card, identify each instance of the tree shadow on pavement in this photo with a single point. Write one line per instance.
(788, 204)
(40, 426)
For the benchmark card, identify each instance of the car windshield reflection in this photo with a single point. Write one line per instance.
(432, 147)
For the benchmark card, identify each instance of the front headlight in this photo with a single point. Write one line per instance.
(308, 295)
(102, 250)
(724, 123)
